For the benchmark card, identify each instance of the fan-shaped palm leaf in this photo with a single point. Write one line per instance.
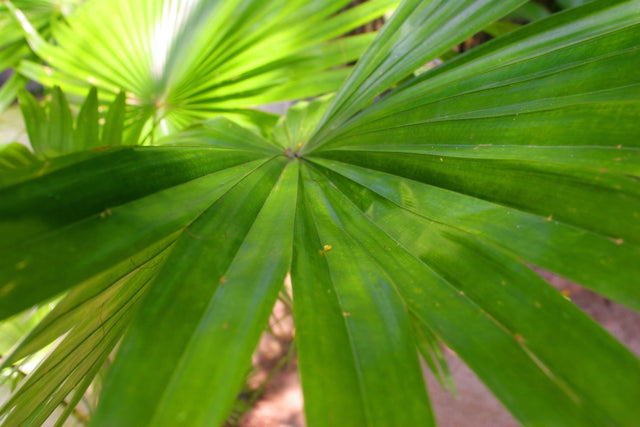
(411, 215)
(185, 60)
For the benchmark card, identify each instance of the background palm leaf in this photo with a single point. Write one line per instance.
(180, 61)
(13, 46)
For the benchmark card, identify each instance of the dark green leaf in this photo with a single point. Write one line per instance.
(355, 338)
(548, 330)
(224, 302)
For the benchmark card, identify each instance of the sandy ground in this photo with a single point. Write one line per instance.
(281, 404)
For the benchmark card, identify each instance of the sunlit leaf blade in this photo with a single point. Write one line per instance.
(15, 156)
(78, 394)
(219, 283)
(355, 339)
(34, 119)
(13, 46)
(87, 129)
(295, 128)
(548, 329)
(59, 138)
(9, 90)
(13, 330)
(84, 301)
(540, 86)
(82, 350)
(320, 70)
(114, 123)
(199, 59)
(222, 133)
(418, 32)
(53, 131)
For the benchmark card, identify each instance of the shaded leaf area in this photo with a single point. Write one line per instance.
(78, 216)
(192, 60)
(529, 12)
(512, 328)
(554, 128)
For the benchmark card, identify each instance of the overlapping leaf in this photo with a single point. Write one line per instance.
(53, 238)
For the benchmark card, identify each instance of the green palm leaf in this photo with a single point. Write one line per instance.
(182, 61)
(43, 14)
(402, 221)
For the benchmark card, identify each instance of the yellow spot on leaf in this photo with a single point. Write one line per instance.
(105, 213)
(325, 249)
(22, 264)
(8, 288)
